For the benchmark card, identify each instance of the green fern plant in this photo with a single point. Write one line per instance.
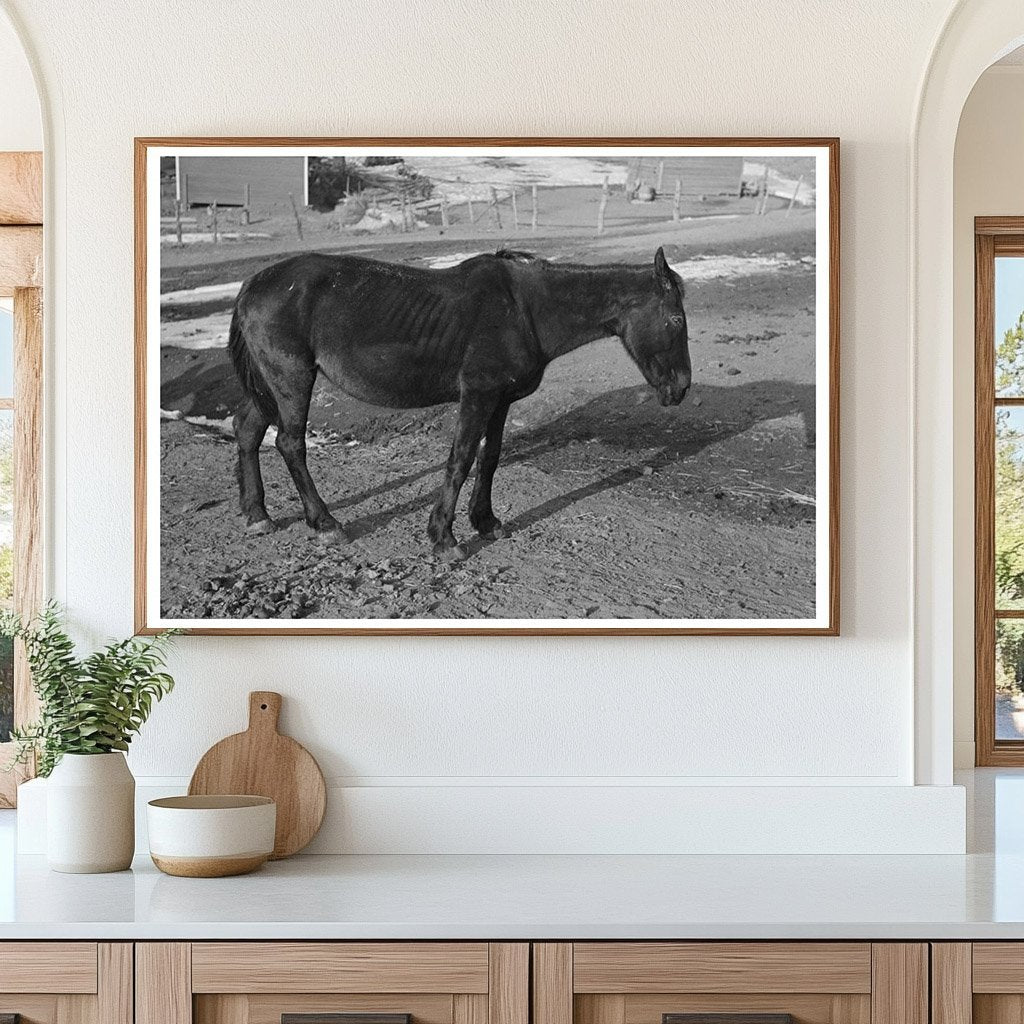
(90, 705)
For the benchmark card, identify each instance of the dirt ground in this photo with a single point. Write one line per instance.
(616, 508)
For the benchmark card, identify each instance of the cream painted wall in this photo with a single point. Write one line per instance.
(462, 711)
(21, 125)
(988, 180)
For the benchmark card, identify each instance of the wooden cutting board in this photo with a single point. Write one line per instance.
(262, 762)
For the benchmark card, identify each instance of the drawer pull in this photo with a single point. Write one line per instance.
(340, 1018)
(727, 1018)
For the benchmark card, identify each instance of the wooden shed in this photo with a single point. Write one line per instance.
(205, 180)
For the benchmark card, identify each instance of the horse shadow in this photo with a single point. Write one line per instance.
(628, 419)
(207, 386)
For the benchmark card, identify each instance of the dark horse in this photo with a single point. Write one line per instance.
(480, 333)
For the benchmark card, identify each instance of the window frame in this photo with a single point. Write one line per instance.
(993, 237)
(21, 270)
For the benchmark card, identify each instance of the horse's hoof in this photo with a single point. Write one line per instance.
(450, 552)
(260, 527)
(490, 528)
(335, 534)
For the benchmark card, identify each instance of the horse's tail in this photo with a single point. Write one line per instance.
(254, 384)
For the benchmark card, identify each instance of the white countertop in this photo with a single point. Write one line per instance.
(977, 896)
(496, 897)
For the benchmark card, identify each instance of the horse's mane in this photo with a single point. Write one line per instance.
(519, 256)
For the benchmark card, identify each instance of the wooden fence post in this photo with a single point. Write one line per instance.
(444, 211)
(602, 206)
(184, 190)
(633, 169)
(177, 220)
(792, 198)
(405, 214)
(764, 192)
(245, 203)
(494, 204)
(515, 210)
(295, 210)
(676, 200)
(661, 177)
(533, 215)
(213, 221)
(469, 206)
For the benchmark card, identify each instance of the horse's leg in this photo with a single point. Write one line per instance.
(293, 409)
(250, 429)
(474, 413)
(481, 515)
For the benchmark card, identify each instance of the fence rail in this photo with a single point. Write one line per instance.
(406, 204)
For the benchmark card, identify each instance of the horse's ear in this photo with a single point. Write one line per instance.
(663, 272)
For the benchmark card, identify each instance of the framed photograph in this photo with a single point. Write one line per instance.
(499, 386)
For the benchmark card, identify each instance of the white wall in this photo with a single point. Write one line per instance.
(987, 181)
(21, 126)
(693, 711)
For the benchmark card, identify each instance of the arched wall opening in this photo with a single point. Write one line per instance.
(986, 182)
(976, 35)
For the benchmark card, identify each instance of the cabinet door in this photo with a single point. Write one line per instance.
(730, 983)
(980, 982)
(332, 983)
(66, 983)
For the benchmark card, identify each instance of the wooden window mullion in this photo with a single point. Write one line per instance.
(28, 482)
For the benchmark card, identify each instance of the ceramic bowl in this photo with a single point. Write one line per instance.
(211, 836)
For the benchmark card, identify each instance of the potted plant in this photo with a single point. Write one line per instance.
(89, 710)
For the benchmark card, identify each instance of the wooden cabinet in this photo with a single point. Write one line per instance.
(756, 982)
(980, 982)
(264, 982)
(494, 983)
(66, 982)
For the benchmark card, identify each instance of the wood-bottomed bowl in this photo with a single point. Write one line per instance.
(211, 836)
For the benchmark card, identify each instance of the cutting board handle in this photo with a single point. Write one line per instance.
(264, 710)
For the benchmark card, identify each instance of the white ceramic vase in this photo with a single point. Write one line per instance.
(90, 814)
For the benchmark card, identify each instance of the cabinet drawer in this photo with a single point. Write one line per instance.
(998, 967)
(58, 967)
(340, 967)
(332, 983)
(634, 967)
(66, 982)
(730, 983)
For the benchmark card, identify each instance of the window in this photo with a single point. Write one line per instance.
(999, 490)
(20, 501)
(21, 365)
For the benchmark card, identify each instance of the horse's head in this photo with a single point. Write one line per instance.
(654, 334)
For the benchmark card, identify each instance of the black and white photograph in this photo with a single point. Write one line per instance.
(419, 386)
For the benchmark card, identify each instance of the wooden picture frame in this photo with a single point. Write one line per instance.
(21, 273)
(149, 615)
